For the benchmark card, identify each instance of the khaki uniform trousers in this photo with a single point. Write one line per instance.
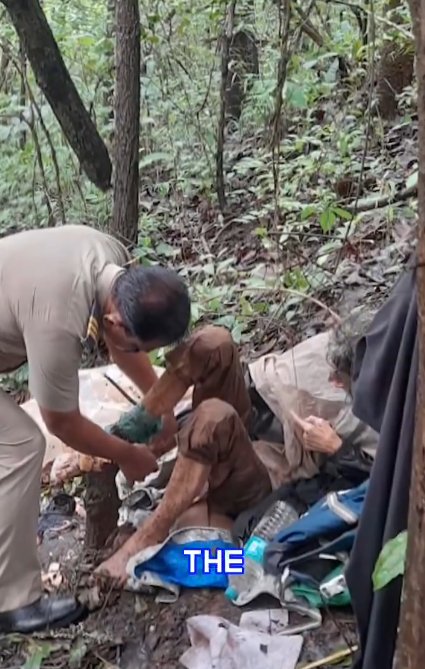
(22, 448)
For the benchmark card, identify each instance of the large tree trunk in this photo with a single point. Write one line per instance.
(411, 644)
(54, 80)
(127, 122)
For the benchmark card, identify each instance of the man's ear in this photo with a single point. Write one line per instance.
(113, 318)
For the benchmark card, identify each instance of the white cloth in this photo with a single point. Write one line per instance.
(217, 644)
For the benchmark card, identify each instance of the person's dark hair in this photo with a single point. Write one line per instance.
(154, 304)
(344, 339)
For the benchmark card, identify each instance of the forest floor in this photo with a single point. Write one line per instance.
(131, 631)
(236, 271)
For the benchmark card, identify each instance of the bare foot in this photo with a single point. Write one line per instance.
(115, 567)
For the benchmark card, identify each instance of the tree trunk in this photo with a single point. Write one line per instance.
(108, 96)
(225, 56)
(102, 504)
(54, 80)
(411, 643)
(395, 70)
(127, 122)
(243, 56)
(22, 95)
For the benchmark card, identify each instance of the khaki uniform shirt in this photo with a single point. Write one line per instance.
(49, 281)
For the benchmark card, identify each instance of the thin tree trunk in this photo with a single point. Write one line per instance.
(102, 504)
(108, 96)
(127, 122)
(22, 96)
(411, 643)
(54, 80)
(225, 55)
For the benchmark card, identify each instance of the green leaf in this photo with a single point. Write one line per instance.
(342, 213)
(77, 653)
(260, 232)
(237, 333)
(308, 211)
(226, 321)
(412, 180)
(295, 95)
(327, 220)
(37, 653)
(195, 311)
(391, 561)
(164, 249)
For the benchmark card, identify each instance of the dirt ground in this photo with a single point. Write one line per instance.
(134, 632)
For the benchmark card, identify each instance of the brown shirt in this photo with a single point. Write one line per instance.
(49, 279)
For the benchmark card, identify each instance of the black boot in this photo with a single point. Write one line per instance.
(47, 612)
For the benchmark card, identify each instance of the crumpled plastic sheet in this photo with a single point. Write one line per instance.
(142, 497)
(218, 644)
(271, 621)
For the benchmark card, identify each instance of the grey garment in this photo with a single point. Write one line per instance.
(385, 373)
(362, 438)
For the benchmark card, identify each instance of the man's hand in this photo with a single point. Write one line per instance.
(137, 462)
(317, 434)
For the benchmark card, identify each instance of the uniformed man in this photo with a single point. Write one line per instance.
(61, 290)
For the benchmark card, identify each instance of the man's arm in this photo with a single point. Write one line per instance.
(139, 369)
(136, 366)
(84, 436)
(53, 361)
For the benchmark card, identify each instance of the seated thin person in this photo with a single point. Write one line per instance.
(222, 459)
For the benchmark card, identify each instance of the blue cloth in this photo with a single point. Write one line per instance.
(172, 565)
(319, 522)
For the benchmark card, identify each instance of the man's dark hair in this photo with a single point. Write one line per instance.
(154, 304)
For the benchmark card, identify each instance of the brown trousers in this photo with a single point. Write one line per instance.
(216, 432)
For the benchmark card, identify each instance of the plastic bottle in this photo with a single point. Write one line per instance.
(245, 587)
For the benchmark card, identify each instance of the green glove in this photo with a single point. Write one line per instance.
(136, 426)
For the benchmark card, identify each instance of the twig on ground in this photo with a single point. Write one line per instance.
(330, 659)
(309, 298)
(384, 201)
(315, 301)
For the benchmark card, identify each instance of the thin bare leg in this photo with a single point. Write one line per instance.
(186, 484)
